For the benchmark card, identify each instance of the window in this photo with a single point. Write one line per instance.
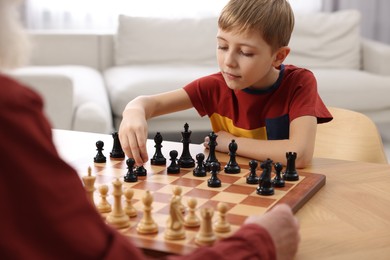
(78, 14)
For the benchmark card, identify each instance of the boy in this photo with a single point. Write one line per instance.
(267, 107)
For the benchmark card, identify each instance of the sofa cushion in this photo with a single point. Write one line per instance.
(326, 40)
(153, 40)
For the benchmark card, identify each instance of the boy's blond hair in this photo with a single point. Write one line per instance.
(273, 19)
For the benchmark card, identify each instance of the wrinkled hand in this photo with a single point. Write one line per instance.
(133, 133)
(283, 228)
(223, 140)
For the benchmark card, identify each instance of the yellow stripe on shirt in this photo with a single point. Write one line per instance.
(221, 123)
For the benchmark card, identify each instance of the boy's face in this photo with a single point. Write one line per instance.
(246, 60)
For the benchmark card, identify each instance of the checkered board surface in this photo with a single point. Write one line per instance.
(240, 197)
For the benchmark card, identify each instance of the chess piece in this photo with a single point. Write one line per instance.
(104, 206)
(116, 151)
(186, 160)
(117, 217)
(89, 185)
(177, 193)
(232, 166)
(175, 228)
(265, 183)
(99, 158)
(200, 169)
(147, 225)
(158, 158)
(291, 173)
(174, 167)
(221, 225)
(130, 176)
(140, 171)
(214, 181)
(212, 157)
(252, 177)
(206, 236)
(191, 220)
(129, 208)
(278, 181)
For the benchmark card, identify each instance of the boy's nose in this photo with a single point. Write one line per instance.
(230, 60)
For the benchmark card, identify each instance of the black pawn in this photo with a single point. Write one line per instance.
(291, 173)
(174, 167)
(200, 170)
(214, 181)
(130, 176)
(99, 158)
(186, 160)
(265, 183)
(158, 158)
(232, 165)
(278, 181)
(116, 151)
(212, 157)
(140, 171)
(252, 177)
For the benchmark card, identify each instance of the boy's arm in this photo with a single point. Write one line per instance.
(133, 130)
(302, 139)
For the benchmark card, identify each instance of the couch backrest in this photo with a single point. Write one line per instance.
(319, 40)
(64, 48)
(326, 40)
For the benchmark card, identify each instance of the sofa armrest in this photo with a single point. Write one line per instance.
(57, 93)
(376, 57)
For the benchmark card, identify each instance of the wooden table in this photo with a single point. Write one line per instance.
(349, 218)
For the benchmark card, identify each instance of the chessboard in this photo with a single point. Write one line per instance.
(240, 198)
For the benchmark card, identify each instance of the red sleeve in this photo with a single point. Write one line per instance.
(44, 210)
(249, 242)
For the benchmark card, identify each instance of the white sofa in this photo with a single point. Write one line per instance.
(87, 78)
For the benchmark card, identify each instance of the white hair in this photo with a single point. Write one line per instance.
(14, 42)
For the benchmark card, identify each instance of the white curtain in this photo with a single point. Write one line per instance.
(103, 14)
(375, 16)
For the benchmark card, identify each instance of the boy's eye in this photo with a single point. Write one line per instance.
(246, 54)
(222, 48)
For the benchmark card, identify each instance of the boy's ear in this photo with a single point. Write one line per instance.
(280, 55)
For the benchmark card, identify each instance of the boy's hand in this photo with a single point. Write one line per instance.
(223, 140)
(133, 135)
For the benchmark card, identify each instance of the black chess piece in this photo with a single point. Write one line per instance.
(291, 173)
(232, 165)
(214, 181)
(278, 181)
(174, 167)
(186, 160)
(212, 157)
(158, 158)
(252, 177)
(140, 171)
(200, 169)
(116, 151)
(130, 176)
(99, 158)
(265, 183)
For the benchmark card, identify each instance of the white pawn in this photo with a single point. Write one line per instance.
(206, 236)
(104, 206)
(191, 220)
(221, 225)
(147, 225)
(129, 209)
